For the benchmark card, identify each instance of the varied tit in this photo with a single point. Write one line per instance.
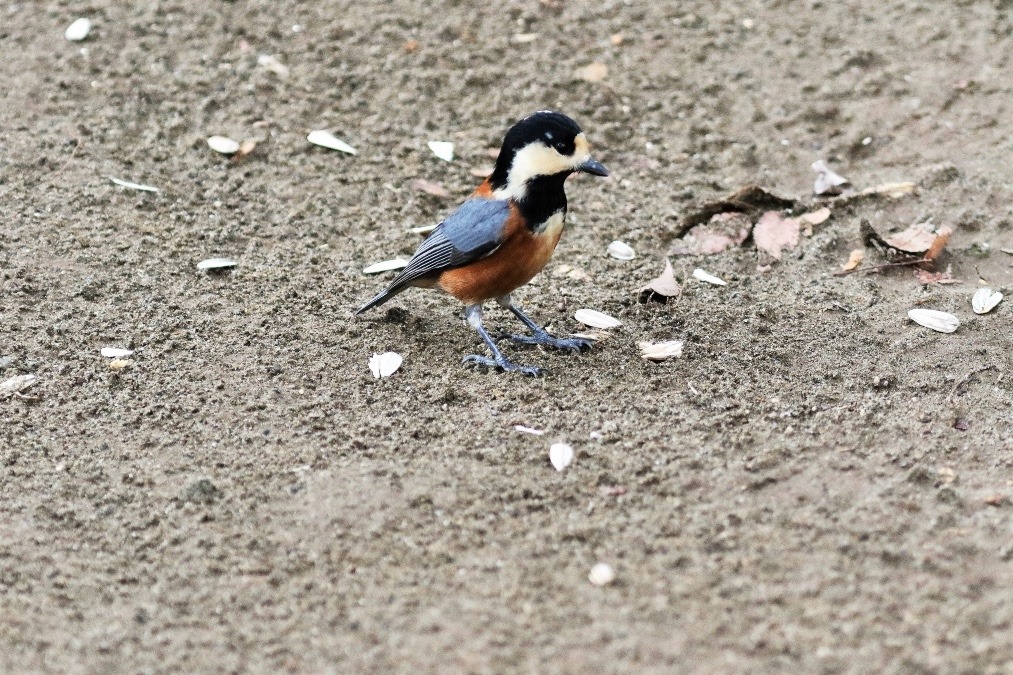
(505, 233)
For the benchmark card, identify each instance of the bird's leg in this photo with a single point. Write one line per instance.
(539, 336)
(474, 316)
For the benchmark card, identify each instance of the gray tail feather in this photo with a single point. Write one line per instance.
(380, 298)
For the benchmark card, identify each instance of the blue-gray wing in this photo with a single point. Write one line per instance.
(473, 231)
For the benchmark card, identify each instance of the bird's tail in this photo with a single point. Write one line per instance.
(380, 298)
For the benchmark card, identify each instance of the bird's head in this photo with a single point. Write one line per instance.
(545, 144)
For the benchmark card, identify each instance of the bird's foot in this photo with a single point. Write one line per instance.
(502, 363)
(567, 344)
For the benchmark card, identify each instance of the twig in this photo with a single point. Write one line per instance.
(884, 266)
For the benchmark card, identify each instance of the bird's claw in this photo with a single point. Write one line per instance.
(566, 344)
(503, 364)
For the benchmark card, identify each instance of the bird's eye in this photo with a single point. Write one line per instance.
(561, 147)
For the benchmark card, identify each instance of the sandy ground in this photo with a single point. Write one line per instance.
(818, 484)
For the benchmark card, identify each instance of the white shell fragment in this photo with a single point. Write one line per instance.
(216, 264)
(938, 321)
(660, 351)
(601, 574)
(595, 319)
(116, 352)
(701, 275)
(985, 300)
(133, 186)
(828, 182)
(326, 139)
(442, 149)
(78, 30)
(223, 145)
(560, 454)
(17, 384)
(272, 64)
(621, 251)
(386, 266)
(384, 365)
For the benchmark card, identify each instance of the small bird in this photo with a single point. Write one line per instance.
(505, 233)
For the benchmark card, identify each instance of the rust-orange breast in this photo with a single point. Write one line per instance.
(519, 258)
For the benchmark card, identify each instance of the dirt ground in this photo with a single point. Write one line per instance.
(817, 484)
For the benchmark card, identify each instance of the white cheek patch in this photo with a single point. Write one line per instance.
(537, 159)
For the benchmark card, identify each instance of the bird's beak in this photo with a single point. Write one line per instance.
(594, 167)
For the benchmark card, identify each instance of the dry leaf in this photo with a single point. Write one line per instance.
(430, 187)
(915, 239)
(723, 231)
(925, 277)
(593, 72)
(828, 182)
(410, 46)
(120, 364)
(664, 286)
(774, 234)
(854, 260)
(939, 243)
(891, 190)
(816, 217)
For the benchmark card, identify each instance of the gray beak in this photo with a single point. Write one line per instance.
(594, 167)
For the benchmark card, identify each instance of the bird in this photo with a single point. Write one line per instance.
(505, 233)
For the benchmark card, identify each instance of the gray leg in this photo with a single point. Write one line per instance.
(539, 336)
(474, 315)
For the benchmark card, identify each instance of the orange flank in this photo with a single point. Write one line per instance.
(519, 258)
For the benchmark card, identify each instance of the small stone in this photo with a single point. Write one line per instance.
(601, 574)
(78, 31)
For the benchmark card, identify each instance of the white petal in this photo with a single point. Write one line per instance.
(133, 186)
(116, 352)
(595, 319)
(78, 30)
(326, 139)
(560, 454)
(985, 300)
(938, 321)
(661, 351)
(700, 275)
(216, 264)
(384, 365)
(601, 574)
(442, 149)
(225, 146)
(386, 266)
(621, 251)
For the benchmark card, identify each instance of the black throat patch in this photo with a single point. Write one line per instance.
(543, 196)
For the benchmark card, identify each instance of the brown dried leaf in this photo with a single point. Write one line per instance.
(915, 239)
(722, 232)
(774, 234)
(927, 278)
(410, 46)
(854, 260)
(664, 287)
(430, 187)
(939, 243)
